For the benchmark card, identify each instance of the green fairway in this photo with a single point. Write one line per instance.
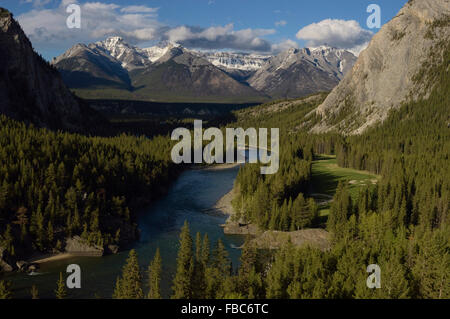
(326, 175)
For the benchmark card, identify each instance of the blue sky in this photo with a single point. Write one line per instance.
(239, 25)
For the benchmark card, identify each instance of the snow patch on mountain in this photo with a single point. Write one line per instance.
(236, 61)
(158, 51)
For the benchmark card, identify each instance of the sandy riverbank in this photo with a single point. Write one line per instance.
(216, 167)
(45, 258)
(224, 204)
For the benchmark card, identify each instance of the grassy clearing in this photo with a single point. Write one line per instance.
(326, 175)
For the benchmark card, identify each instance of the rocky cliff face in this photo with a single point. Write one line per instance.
(388, 71)
(30, 89)
(299, 72)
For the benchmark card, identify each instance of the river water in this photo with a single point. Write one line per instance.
(190, 198)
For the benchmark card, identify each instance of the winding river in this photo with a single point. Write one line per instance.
(190, 198)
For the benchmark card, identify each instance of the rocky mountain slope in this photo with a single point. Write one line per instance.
(158, 51)
(299, 72)
(236, 61)
(30, 89)
(131, 57)
(388, 72)
(90, 66)
(240, 66)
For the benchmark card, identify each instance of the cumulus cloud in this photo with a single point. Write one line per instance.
(283, 46)
(345, 34)
(37, 3)
(47, 27)
(139, 9)
(220, 37)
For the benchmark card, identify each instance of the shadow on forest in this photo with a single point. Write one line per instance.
(324, 183)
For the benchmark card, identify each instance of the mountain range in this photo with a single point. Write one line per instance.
(114, 69)
(299, 72)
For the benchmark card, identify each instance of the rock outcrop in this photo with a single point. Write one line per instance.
(387, 72)
(79, 247)
(26, 266)
(7, 262)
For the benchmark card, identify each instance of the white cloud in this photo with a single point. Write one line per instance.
(139, 9)
(281, 23)
(346, 34)
(37, 3)
(283, 46)
(47, 28)
(220, 37)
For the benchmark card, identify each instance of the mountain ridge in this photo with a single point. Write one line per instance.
(299, 72)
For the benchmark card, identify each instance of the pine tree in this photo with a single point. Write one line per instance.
(205, 251)
(128, 286)
(182, 284)
(5, 290)
(199, 283)
(220, 259)
(432, 264)
(61, 291)
(249, 281)
(218, 272)
(341, 209)
(154, 273)
(34, 292)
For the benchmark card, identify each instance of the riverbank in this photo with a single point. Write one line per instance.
(232, 227)
(318, 238)
(215, 167)
(45, 258)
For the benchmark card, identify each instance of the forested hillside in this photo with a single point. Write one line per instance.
(56, 185)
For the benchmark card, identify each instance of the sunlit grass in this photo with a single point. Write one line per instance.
(326, 175)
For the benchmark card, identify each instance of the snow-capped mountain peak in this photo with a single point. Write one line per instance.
(130, 56)
(158, 51)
